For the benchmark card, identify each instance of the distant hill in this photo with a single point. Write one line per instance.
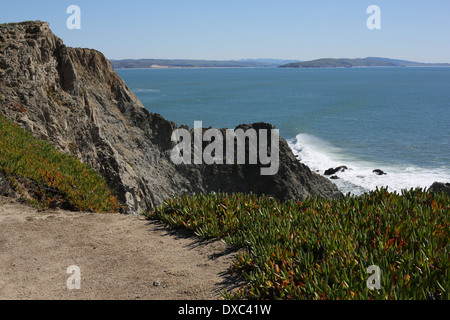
(366, 62)
(268, 63)
(340, 63)
(184, 63)
(407, 63)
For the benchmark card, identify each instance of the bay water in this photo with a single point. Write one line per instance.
(393, 119)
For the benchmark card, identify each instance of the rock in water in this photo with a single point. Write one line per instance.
(74, 99)
(440, 187)
(332, 171)
(379, 172)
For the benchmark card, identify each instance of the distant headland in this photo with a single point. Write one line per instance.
(189, 63)
(366, 62)
(268, 63)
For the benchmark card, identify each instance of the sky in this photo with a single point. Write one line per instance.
(417, 30)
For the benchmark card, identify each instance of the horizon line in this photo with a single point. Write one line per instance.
(296, 60)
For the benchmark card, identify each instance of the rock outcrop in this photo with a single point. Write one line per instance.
(74, 99)
(6, 189)
(440, 187)
(332, 171)
(379, 172)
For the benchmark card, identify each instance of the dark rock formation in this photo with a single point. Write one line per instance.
(379, 172)
(440, 187)
(72, 98)
(6, 188)
(332, 171)
(334, 177)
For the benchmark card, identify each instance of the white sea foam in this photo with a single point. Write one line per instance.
(319, 155)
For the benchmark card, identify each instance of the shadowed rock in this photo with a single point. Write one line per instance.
(332, 171)
(440, 187)
(379, 172)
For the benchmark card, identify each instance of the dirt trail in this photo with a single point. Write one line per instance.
(121, 257)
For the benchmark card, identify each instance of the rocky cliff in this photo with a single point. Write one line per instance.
(72, 98)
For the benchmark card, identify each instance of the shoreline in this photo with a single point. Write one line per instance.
(275, 67)
(167, 67)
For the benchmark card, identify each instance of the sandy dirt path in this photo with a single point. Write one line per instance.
(120, 257)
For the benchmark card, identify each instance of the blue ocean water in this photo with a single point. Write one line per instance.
(393, 119)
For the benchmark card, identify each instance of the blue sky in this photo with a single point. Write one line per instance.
(416, 30)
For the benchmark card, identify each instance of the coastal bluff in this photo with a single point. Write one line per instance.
(72, 98)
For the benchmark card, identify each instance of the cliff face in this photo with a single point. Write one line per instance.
(72, 98)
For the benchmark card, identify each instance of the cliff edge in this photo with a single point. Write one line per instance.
(74, 99)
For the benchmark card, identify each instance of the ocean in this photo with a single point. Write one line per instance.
(393, 119)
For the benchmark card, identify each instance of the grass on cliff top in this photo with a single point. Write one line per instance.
(45, 177)
(319, 249)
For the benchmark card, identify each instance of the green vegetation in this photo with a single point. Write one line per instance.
(47, 178)
(320, 249)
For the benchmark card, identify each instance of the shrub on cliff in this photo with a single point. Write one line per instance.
(45, 177)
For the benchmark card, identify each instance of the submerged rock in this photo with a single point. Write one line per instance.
(74, 99)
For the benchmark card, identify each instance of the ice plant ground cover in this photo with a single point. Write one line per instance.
(321, 249)
(45, 177)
